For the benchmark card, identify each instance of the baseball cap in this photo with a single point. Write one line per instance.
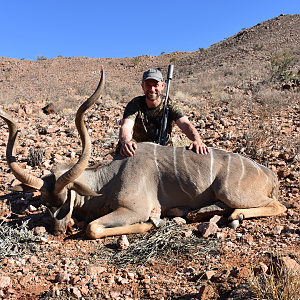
(152, 74)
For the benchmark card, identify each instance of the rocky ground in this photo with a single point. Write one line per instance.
(237, 113)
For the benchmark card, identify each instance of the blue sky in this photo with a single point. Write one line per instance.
(91, 28)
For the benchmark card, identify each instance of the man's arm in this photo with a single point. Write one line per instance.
(191, 132)
(128, 147)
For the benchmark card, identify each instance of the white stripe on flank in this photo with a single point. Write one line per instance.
(158, 170)
(186, 166)
(211, 167)
(176, 173)
(243, 170)
(188, 171)
(227, 173)
(259, 170)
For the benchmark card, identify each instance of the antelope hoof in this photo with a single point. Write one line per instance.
(234, 224)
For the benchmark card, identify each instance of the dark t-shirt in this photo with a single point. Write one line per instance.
(145, 129)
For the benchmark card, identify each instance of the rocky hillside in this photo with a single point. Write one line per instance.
(73, 77)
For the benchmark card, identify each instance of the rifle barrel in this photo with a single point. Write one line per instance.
(164, 121)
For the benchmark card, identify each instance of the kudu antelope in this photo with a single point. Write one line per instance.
(118, 198)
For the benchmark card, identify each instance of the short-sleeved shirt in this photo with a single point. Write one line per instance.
(145, 129)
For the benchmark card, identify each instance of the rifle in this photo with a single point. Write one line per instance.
(164, 121)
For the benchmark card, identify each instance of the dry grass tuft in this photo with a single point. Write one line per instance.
(282, 284)
(164, 243)
(16, 241)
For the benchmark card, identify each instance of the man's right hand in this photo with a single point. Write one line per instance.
(128, 148)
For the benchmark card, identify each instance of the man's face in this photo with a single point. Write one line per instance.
(152, 89)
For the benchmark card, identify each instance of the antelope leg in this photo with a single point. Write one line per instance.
(272, 209)
(118, 222)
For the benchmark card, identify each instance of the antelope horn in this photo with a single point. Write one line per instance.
(20, 174)
(82, 163)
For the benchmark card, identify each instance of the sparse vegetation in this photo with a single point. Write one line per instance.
(35, 157)
(173, 59)
(163, 243)
(281, 283)
(258, 46)
(14, 241)
(41, 58)
(135, 61)
(280, 67)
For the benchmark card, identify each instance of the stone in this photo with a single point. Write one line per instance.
(206, 292)
(95, 270)
(209, 274)
(62, 277)
(122, 242)
(187, 234)
(76, 292)
(207, 229)
(179, 221)
(4, 282)
(277, 229)
(286, 262)
(38, 230)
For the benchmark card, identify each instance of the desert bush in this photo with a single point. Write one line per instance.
(258, 46)
(14, 241)
(41, 58)
(35, 157)
(280, 67)
(135, 62)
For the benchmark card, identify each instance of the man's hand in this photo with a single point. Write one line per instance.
(128, 148)
(199, 147)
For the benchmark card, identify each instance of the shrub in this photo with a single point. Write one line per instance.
(35, 157)
(173, 59)
(41, 58)
(135, 61)
(258, 46)
(16, 241)
(280, 65)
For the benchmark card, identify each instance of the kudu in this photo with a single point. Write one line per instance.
(118, 198)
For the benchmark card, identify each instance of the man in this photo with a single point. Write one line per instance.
(142, 118)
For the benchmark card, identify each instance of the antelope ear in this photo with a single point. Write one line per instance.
(22, 188)
(82, 189)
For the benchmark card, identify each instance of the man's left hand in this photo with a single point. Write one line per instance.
(199, 147)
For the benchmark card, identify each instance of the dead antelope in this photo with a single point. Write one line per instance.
(118, 198)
